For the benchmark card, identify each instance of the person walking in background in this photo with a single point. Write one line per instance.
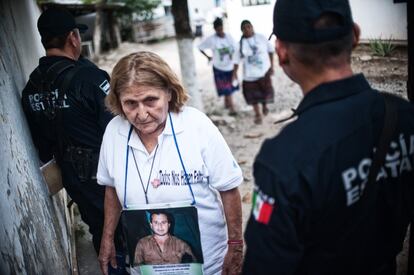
(334, 190)
(64, 106)
(198, 20)
(256, 52)
(223, 48)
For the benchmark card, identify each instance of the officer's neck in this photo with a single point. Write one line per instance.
(310, 79)
(61, 52)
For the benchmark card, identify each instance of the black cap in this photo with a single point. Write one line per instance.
(56, 21)
(293, 20)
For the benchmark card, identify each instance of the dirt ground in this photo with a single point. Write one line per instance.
(243, 136)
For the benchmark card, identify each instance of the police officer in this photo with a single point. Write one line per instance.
(64, 106)
(315, 208)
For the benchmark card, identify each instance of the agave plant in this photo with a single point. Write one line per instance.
(381, 47)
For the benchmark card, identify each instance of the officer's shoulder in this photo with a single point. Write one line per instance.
(90, 73)
(30, 86)
(92, 76)
(402, 103)
(281, 149)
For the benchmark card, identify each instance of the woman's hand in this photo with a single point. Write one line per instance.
(107, 254)
(234, 75)
(233, 260)
(112, 211)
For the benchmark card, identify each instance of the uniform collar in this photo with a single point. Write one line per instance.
(47, 60)
(332, 91)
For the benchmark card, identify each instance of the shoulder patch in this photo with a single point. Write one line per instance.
(263, 206)
(105, 87)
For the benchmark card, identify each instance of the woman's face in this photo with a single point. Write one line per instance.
(146, 108)
(219, 31)
(247, 30)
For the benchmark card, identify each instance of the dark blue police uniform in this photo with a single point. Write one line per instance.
(312, 212)
(83, 121)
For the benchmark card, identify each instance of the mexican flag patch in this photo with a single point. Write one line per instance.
(263, 206)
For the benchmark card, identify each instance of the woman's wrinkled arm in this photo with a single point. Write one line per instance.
(232, 209)
(112, 212)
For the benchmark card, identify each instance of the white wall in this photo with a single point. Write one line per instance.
(377, 18)
(261, 17)
(204, 7)
(380, 18)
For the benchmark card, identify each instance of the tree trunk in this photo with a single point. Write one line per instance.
(410, 48)
(97, 34)
(114, 31)
(33, 233)
(184, 38)
(410, 92)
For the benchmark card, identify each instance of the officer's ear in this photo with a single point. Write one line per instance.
(356, 33)
(282, 52)
(73, 38)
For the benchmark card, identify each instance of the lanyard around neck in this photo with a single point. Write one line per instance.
(144, 188)
(253, 46)
(181, 160)
(179, 155)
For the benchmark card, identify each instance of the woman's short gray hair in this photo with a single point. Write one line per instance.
(144, 69)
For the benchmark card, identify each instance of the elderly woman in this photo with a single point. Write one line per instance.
(163, 137)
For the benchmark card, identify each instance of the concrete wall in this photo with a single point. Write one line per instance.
(261, 17)
(380, 19)
(34, 232)
(377, 18)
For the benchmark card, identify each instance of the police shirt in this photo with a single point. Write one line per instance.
(310, 212)
(84, 117)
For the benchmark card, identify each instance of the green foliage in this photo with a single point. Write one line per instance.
(142, 8)
(135, 9)
(381, 47)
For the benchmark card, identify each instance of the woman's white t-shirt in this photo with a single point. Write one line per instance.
(224, 50)
(208, 162)
(256, 60)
